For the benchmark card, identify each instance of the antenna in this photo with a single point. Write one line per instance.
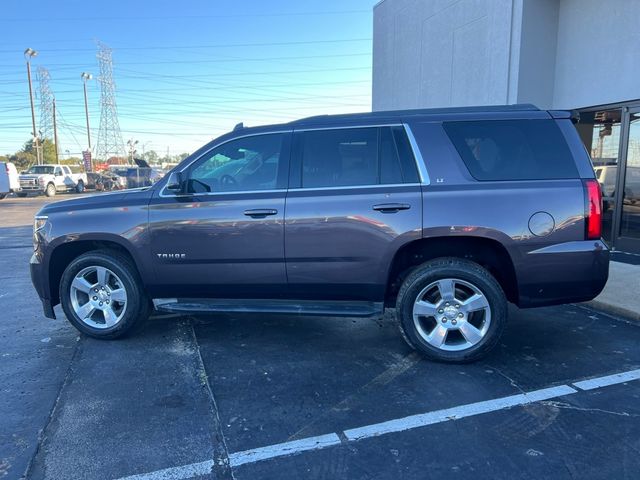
(110, 142)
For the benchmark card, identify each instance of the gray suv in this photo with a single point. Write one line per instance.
(444, 214)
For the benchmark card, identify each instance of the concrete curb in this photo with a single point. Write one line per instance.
(621, 294)
(614, 310)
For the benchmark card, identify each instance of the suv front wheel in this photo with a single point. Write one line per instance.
(101, 295)
(451, 310)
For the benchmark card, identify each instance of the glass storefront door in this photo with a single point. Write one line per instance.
(612, 137)
(601, 131)
(629, 229)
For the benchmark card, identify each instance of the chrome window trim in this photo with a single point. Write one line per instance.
(359, 187)
(417, 155)
(236, 192)
(422, 171)
(274, 132)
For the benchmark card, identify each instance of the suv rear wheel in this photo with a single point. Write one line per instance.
(101, 295)
(451, 310)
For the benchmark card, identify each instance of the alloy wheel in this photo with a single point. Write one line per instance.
(98, 297)
(451, 314)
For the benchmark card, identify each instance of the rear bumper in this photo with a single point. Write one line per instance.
(568, 272)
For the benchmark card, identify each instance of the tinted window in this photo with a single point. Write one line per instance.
(512, 149)
(340, 157)
(407, 160)
(249, 163)
(390, 170)
(350, 157)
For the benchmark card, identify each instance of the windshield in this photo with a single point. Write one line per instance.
(40, 169)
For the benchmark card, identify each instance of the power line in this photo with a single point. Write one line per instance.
(137, 19)
(190, 47)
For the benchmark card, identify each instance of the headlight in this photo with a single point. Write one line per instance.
(39, 222)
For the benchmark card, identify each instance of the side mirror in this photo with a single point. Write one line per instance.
(174, 183)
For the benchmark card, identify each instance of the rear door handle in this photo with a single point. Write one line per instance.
(391, 207)
(260, 212)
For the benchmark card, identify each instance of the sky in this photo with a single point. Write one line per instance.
(185, 71)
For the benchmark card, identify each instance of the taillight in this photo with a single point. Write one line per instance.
(593, 209)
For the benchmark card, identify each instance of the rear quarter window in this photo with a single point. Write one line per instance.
(512, 149)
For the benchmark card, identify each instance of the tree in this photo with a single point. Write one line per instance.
(150, 156)
(48, 149)
(23, 160)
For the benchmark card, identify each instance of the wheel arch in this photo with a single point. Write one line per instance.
(488, 253)
(66, 252)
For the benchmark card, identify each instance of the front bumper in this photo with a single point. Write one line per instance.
(39, 279)
(568, 272)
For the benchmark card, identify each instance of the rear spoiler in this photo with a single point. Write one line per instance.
(573, 115)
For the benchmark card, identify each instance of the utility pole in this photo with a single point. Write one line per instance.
(131, 143)
(29, 53)
(55, 132)
(86, 76)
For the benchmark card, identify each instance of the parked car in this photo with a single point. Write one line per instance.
(103, 181)
(607, 176)
(444, 214)
(9, 181)
(51, 179)
(142, 175)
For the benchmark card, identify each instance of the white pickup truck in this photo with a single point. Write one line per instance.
(50, 179)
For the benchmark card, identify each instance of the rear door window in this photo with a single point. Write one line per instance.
(345, 157)
(512, 149)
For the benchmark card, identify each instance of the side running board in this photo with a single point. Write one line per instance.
(296, 307)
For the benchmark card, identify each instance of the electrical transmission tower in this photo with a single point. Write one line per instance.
(46, 104)
(109, 136)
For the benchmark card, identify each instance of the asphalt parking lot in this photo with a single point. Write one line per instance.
(285, 397)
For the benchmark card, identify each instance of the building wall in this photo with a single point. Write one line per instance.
(425, 52)
(553, 53)
(598, 54)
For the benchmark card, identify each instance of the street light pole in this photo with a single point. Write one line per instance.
(86, 76)
(28, 54)
(55, 132)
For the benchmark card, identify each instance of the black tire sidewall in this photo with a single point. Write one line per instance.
(137, 302)
(80, 187)
(463, 270)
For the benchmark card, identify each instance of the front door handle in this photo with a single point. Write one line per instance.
(391, 207)
(260, 212)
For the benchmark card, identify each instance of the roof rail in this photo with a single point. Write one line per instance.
(427, 111)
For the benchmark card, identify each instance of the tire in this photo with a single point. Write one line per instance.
(440, 325)
(3, 196)
(50, 191)
(130, 310)
(80, 186)
(21, 194)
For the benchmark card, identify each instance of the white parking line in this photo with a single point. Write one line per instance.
(439, 416)
(282, 449)
(614, 379)
(391, 426)
(176, 473)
